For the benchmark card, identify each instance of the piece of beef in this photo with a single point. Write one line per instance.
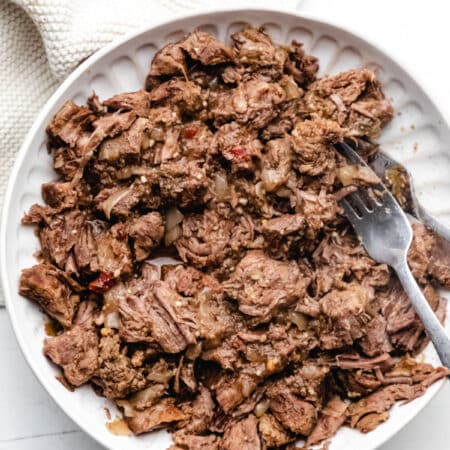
(283, 234)
(319, 209)
(330, 420)
(215, 317)
(376, 339)
(186, 95)
(312, 144)
(342, 257)
(301, 66)
(282, 124)
(242, 435)
(251, 103)
(114, 256)
(190, 282)
(147, 232)
(403, 326)
(138, 101)
(440, 262)
(292, 412)
(49, 287)
(167, 61)
(157, 416)
(183, 182)
(256, 49)
(160, 315)
(76, 350)
(355, 361)
(186, 441)
(262, 286)
(59, 235)
(209, 239)
(118, 201)
(202, 412)
(380, 401)
(206, 49)
(358, 383)
(276, 164)
(258, 355)
(109, 125)
(344, 317)
(419, 252)
(160, 373)
(238, 145)
(127, 146)
(59, 195)
(196, 140)
(428, 256)
(306, 381)
(70, 122)
(115, 376)
(271, 431)
(283, 225)
(85, 248)
(353, 99)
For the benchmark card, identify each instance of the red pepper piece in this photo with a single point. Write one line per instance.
(190, 132)
(102, 283)
(238, 152)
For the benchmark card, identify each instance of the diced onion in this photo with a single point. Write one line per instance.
(284, 192)
(291, 89)
(113, 199)
(349, 174)
(112, 296)
(337, 100)
(112, 320)
(128, 410)
(145, 143)
(246, 388)
(119, 427)
(173, 218)
(262, 407)
(147, 396)
(270, 179)
(129, 171)
(172, 235)
(194, 351)
(299, 319)
(157, 134)
(221, 186)
(259, 190)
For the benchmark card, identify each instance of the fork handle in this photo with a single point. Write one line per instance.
(433, 327)
(433, 223)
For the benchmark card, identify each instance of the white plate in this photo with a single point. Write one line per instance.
(417, 137)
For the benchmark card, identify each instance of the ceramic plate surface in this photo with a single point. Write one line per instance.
(418, 137)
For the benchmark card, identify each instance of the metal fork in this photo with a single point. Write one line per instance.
(386, 234)
(398, 180)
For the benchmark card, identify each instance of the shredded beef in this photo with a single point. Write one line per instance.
(48, 286)
(197, 264)
(262, 286)
(76, 350)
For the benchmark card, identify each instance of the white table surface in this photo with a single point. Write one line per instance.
(418, 33)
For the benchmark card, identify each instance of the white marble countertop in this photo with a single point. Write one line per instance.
(418, 33)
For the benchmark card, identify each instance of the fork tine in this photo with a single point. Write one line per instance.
(349, 211)
(370, 199)
(349, 153)
(357, 199)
